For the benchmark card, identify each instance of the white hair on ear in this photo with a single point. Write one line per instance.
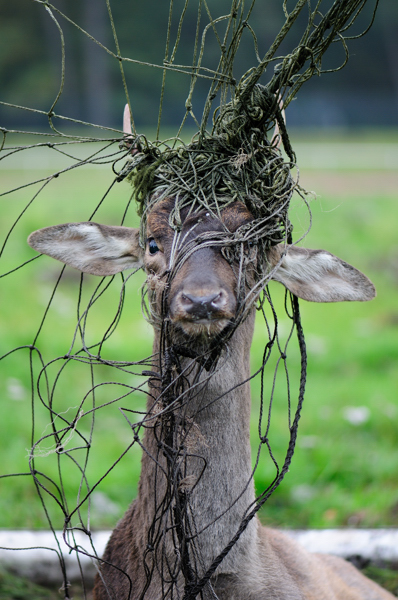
(90, 247)
(318, 276)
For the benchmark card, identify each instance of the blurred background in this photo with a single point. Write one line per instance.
(363, 94)
(343, 127)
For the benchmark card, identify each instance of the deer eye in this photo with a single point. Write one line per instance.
(152, 246)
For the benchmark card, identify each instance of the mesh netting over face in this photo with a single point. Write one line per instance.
(237, 160)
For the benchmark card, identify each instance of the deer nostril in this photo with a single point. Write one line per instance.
(217, 301)
(185, 299)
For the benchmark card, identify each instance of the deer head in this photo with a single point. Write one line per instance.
(192, 282)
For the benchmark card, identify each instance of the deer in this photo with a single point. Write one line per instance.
(198, 303)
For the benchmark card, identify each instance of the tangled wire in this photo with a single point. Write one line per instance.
(239, 159)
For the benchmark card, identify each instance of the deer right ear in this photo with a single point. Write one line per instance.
(90, 247)
(317, 275)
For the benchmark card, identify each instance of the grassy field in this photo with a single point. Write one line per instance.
(344, 471)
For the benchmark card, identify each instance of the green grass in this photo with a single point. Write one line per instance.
(344, 474)
(387, 578)
(17, 588)
(13, 587)
(341, 475)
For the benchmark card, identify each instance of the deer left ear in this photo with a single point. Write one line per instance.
(318, 276)
(90, 247)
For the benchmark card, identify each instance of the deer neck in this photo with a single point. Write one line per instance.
(217, 482)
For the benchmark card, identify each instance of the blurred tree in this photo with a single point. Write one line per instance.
(389, 29)
(96, 63)
(363, 93)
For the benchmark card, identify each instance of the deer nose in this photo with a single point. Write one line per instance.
(203, 307)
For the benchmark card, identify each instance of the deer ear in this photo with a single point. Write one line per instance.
(318, 276)
(89, 247)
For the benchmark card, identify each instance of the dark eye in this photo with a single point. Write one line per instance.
(152, 246)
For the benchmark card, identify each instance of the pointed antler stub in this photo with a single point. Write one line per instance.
(127, 121)
(129, 140)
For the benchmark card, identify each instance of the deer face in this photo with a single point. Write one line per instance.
(193, 285)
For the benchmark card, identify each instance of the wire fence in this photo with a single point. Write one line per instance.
(76, 385)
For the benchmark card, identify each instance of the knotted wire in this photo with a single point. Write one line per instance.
(237, 160)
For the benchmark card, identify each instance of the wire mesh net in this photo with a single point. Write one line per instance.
(78, 389)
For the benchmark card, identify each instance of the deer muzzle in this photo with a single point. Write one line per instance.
(203, 308)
